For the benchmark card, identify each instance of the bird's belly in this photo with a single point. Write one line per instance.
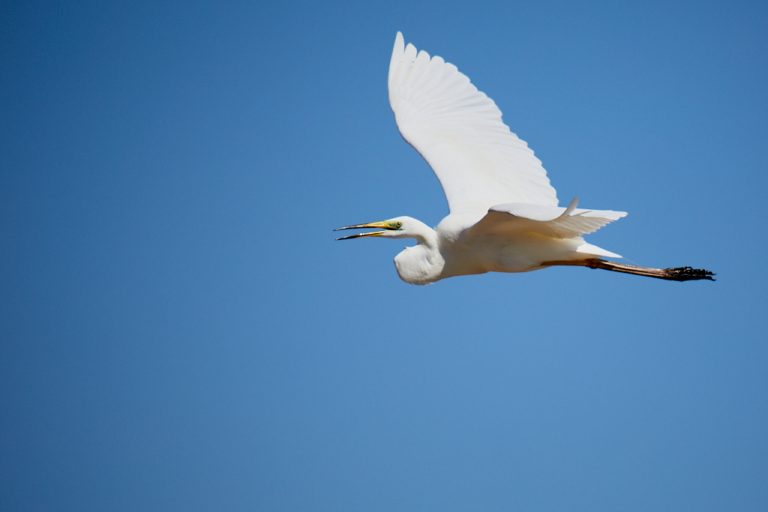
(521, 254)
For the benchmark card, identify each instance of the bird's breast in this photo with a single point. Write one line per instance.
(419, 265)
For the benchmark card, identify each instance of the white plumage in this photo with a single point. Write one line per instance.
(504, 211)
(459, 132)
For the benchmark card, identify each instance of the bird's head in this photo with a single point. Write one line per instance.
(392, 228)
(418, 264)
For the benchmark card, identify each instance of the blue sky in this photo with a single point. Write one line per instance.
(181, 331)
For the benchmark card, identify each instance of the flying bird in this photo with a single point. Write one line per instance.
(504, 214)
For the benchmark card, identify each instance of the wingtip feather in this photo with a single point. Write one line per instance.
(571, 206)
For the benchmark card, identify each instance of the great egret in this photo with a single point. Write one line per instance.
(504, 212)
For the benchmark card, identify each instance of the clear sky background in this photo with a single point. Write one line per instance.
(180, 331)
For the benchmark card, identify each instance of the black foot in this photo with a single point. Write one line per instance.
(688, 274)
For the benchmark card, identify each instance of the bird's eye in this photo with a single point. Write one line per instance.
(395, 225)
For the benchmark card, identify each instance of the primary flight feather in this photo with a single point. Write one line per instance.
(504, 211)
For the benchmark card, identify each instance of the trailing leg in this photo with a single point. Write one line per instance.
(670, 274)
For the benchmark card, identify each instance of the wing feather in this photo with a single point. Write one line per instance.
(554, 222)
(459, 132)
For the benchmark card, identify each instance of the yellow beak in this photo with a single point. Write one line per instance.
(379, 225)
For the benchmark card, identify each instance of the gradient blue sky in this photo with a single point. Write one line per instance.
(180, 331)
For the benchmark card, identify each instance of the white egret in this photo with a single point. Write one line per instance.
(504, 212)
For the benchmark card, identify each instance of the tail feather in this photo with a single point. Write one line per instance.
(588, 249)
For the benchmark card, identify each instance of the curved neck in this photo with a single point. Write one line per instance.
(421, 263)
(423, 234)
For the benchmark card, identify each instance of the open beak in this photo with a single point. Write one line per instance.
(374, 225)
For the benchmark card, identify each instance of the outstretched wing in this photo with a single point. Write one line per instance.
(459, 132)
(549, 221)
